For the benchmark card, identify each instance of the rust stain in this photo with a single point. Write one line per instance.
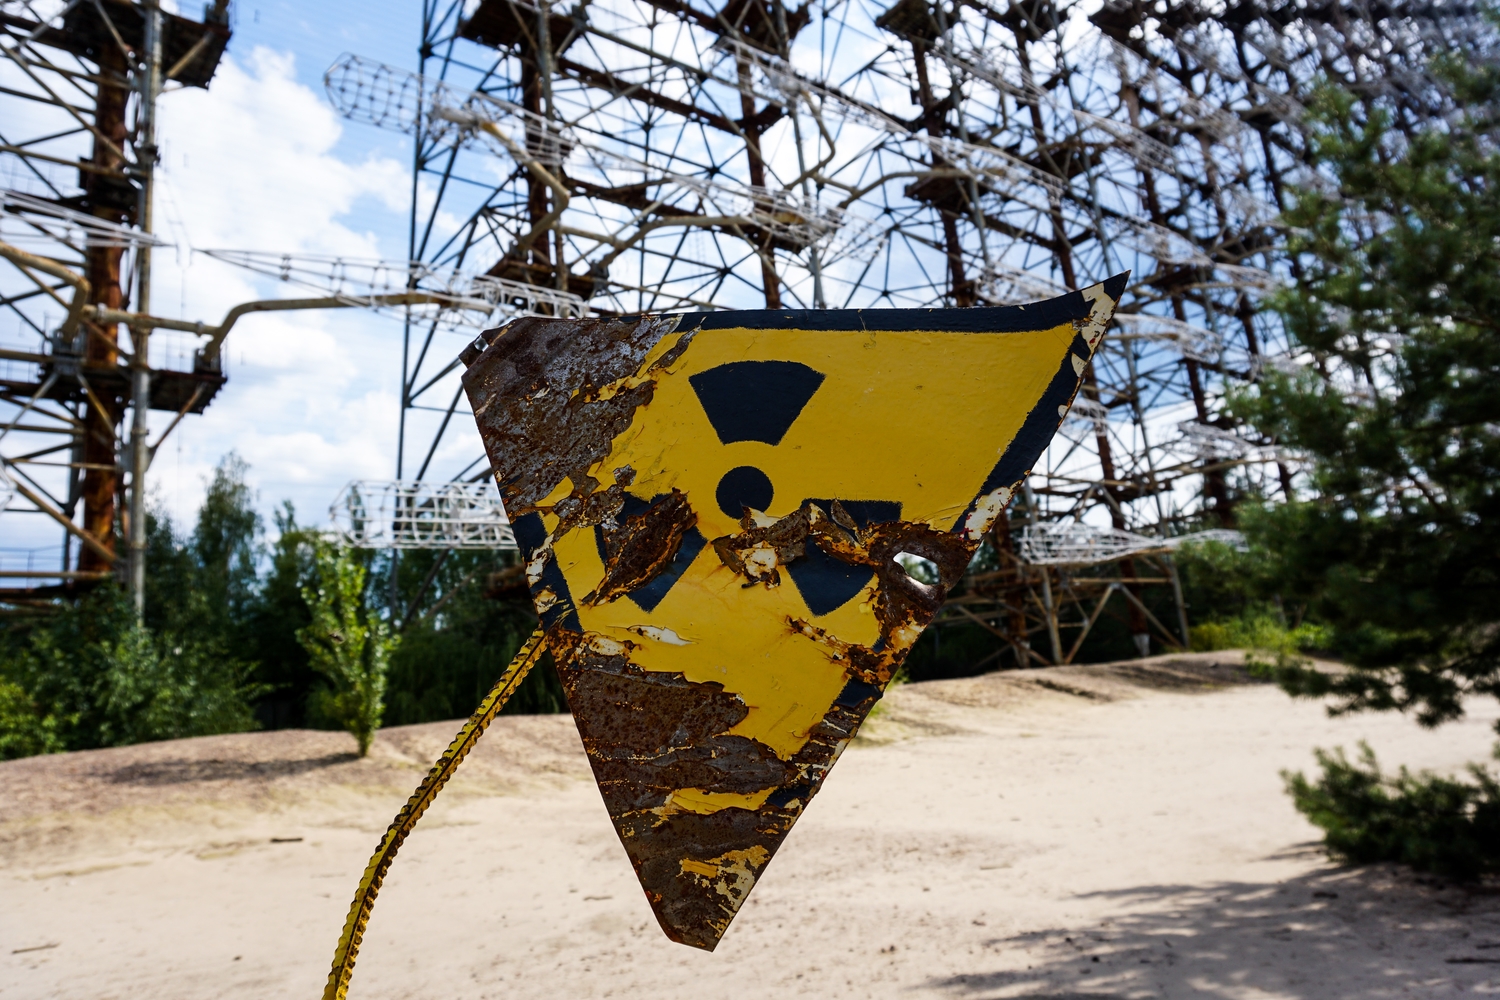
(638, 549)
(538, 399)
(758, 551)
(649, 734)
(903, 606)
(901, 603)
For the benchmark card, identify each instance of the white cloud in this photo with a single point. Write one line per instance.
(253, 163)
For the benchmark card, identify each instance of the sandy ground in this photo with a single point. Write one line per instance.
(1078, 834)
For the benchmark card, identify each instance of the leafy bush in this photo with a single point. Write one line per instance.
(440, 674)
(92, 676)
(25, 729)
(346, 643)
(229, 637)
(1234, 592)
(1435, 824)
(466, 613)
(1258, 633)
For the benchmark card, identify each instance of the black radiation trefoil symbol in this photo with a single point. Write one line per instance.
(759, 401)
(752, 401)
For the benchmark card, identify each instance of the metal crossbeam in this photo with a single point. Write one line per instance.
(474, 301)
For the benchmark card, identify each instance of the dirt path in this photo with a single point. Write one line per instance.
(1084, 834)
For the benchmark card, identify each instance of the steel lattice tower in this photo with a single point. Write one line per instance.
(78, 150)
(657, 155)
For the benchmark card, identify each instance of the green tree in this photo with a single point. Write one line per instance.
(90, 675)
(1396, 549)
(206, 583)
(465, 614)
(273, 620)
(346, 643)
(226, 542)
(1398, 309)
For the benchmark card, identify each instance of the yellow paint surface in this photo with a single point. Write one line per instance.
(699, 801)
(867, 433)
(920, 418)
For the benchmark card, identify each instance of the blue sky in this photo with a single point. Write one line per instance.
(317, 33)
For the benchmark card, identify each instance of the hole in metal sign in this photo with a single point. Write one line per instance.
(919, 568)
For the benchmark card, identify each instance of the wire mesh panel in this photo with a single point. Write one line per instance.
(421, 515)
(1073, 543)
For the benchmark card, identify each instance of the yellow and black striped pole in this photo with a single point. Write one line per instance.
(406, 819)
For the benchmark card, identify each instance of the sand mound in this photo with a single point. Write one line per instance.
(1107, 831)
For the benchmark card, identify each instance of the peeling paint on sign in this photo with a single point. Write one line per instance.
(711, 507)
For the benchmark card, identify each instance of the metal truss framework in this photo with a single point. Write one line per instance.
(80, 349)
(78, 85)
(633, 155)
(664, 155)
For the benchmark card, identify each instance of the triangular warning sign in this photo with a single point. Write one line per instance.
(710, 507)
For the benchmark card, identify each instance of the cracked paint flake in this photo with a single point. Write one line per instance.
(638, 549)
(659, 634)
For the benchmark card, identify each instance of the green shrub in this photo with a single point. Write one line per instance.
(25, 729)
(1434, 824)
(466, 615)
(167, 688)
(346, 643)
(444, 674)
(92, 676)
(1257, 633)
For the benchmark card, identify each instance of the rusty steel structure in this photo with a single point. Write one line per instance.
(678, 155)
(78, 149)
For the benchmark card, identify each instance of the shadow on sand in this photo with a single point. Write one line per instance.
(181, 772)
(1330, 935)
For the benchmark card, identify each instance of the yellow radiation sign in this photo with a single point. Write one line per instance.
(712, 508)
